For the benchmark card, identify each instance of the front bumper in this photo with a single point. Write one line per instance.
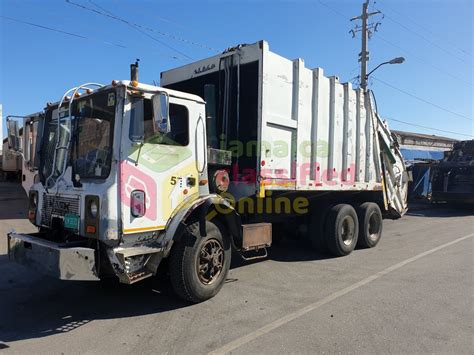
(54, 259)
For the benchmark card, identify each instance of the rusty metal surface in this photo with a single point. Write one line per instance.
(75, 263)
(256, 235)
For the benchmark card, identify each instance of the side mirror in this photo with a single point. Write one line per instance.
(13, 135)
(161, 110)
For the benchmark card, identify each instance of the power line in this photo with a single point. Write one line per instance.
(128, 23)
(426, 29)
(100, 7)
(61, 31)
(447, 51)
(143, 32)
(425, 61)
(333, 10)
(340, 14)
(422, 100)
(159, 18)
(430, 128)
(108, 14)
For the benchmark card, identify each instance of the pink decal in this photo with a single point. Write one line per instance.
(349, 177)
(134, 179)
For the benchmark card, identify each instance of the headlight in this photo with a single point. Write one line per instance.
(93, 209)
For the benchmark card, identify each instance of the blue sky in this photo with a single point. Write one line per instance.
(435, 37)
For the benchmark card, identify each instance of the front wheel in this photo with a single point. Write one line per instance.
(199, 265)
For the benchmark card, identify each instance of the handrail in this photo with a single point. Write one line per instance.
(58, 129)
(57, 138)
(200, 121)
(81, 87)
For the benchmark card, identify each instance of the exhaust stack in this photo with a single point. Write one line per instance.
(134, 71)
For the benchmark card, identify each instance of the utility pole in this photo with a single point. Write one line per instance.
(366, 30)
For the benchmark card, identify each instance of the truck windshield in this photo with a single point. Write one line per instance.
(93, 119)
(54, 140)
(83, 139)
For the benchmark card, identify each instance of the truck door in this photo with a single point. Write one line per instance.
(164, 166)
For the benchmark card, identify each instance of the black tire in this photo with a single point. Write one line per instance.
(186, 260)
(342, 229)
(370, 225)
(316, 230)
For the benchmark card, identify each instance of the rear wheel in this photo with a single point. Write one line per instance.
(370, 224)
(199, 265)
(342, 229)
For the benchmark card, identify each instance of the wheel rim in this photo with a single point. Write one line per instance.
(374, 226)
(347, 230)
(210, 261)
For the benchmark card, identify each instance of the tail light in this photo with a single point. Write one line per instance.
(137, 203)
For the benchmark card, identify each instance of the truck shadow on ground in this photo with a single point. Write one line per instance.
(425, 209)
(34, 306)
(47, 307)
(38, 306)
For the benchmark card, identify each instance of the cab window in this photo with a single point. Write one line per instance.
(179, 122)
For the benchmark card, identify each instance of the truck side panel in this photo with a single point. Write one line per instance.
(315, 134)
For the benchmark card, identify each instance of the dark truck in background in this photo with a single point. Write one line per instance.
(452, 179)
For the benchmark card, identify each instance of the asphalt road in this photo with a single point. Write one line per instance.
(413, 293)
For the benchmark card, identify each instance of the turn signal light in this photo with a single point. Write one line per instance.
(137, 203)
(91, 216)
(134, 83)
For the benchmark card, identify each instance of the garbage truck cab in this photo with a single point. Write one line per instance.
(121, 168)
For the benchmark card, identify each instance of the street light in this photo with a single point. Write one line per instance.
(398, 60)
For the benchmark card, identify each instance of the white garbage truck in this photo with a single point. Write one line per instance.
(24, 156)
(227, 154)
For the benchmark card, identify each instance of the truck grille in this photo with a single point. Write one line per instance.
(58, 206)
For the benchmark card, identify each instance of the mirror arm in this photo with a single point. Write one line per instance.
(139, 151)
